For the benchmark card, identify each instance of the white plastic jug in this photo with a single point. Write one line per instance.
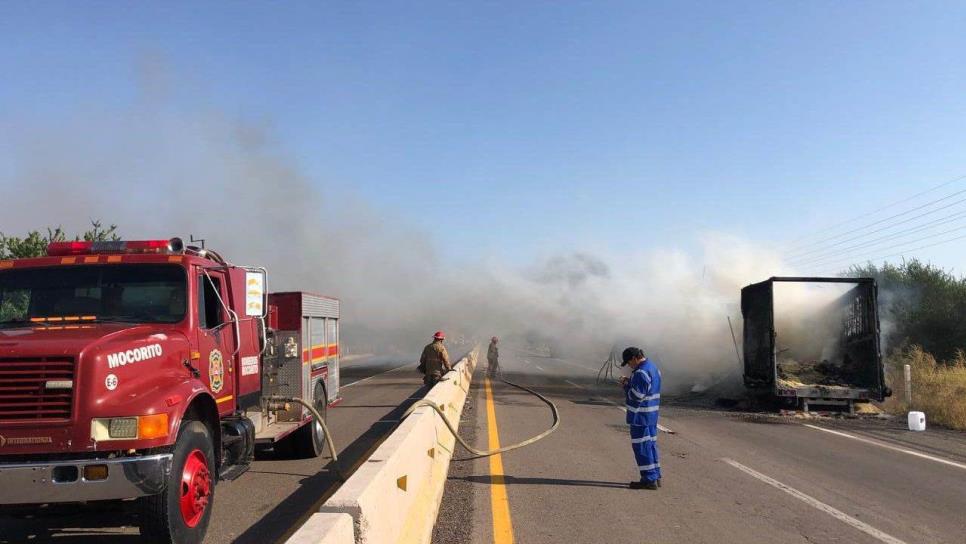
(917, 421)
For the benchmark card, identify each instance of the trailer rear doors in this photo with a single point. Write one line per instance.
(757, 308)
(852, 316)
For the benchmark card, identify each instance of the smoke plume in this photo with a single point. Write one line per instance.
(157, 170)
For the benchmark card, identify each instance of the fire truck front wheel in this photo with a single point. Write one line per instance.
(180, 514)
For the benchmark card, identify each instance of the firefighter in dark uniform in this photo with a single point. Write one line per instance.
(493, 357)
(434, 361)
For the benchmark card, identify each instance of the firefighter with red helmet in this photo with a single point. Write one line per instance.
(434, 361)
(493, 357)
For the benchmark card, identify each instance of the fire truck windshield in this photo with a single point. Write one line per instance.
(130, 293)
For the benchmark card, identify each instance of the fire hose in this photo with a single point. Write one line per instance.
(486, 453)
(325, 429)
(606, 372)
(317, 417)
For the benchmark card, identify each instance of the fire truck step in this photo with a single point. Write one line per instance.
(230, 472)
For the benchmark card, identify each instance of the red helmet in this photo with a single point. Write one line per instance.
(439, 335)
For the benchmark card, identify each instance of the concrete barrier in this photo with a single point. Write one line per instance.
(325, 529)
(395, 495)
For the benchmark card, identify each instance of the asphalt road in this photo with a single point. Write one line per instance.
(728, 476)
(268, 502)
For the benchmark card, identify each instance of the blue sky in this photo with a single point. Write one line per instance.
(524, 128)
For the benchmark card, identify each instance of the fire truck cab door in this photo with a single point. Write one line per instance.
(216, 338)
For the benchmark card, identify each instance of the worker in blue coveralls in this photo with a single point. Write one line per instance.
(643, 400)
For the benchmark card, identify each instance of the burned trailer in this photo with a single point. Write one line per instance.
(813, 341)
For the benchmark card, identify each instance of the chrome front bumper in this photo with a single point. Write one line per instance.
(127, 478)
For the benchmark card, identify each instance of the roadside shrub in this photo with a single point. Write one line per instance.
(938, 387)
(920, 304)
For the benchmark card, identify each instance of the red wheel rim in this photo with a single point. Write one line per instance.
(195, 488)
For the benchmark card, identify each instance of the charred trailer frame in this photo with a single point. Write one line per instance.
(859, 338)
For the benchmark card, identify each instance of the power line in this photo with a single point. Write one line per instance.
(827, 252)
(877, 210)
(879, 222)
(904, 221)
(827, 261)
(901, 253)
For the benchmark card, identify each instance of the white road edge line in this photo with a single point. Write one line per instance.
(890, 447)
(575, 385)
(811, 501)
(350, 384)
(540, 368)
(660, 427)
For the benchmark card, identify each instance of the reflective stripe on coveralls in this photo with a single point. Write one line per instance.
(643, 402)
(643, 410)
(644, 444)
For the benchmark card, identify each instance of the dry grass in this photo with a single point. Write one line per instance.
(938, 389)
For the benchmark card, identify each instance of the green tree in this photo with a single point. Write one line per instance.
(34, 244)
(920, 304)
(99, 233)
(13, 304)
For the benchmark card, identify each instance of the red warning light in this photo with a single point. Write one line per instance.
(63, 249)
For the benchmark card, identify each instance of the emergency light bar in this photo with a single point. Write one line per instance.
(62, 249)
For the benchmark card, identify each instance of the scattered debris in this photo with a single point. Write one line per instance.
(792, 373)
(867, 409)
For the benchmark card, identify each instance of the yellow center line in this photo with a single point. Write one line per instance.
(499, 502)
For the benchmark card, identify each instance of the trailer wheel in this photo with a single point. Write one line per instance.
(308, 441)
(180, 514)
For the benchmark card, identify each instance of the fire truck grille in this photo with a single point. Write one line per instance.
(36, 389)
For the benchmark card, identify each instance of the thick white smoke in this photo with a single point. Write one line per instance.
(158, 170)
(672, 303)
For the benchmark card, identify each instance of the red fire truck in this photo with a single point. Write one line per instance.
(148, 370)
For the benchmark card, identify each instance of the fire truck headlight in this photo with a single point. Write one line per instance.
(123, 427)
(129, 428)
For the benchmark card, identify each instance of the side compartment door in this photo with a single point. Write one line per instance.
(216, 338)
(332, 337)
(318, 366)
(757, 309)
